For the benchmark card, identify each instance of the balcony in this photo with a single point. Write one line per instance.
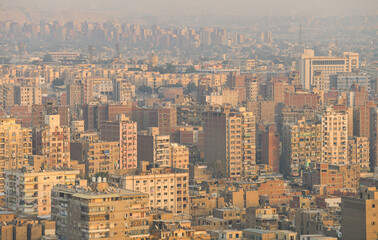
(266, 216)
(27, 205)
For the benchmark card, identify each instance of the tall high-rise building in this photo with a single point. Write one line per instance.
(358, 152)
(361, 120)
(252, 88)
(167, 119)
(15, 146)
(301, 146)
(53, 141)
(359, 215)
(324, 66)
(270, 148)
(154, 147)
(101, 212)
(123, 131)
(86, 90)
(96, 155)
(335, 137)
(230, 141)
(8, 95)
(179, 156)
(373, 137)
(124, 91)
(27, 96)
(73, 94)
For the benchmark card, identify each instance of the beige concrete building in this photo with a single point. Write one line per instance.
(53, 141)
(101, 212)
(351, 175)
(373, 137)
(77, 127)
(168, 188)
(262, 218)
(301, 146)
(230, 142)
(28, 191)
(98, 156)
(312, 66)
(252, 88)
(125, 132)
(335, 137)
(27, 96)
(359, 215)
(359, 148)
(8, 95)
(15, 146)
(263, 110)
(222, 95)
(179, 156)
(253, 234)
(154, 148)
(124, 91)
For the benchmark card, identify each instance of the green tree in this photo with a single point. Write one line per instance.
(58, 82)
(102, 174)
(145, 89)
(48, 58)
(169, 68)
(191, 87)
(190, 69)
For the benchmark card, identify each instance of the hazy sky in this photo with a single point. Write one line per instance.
(213, 7)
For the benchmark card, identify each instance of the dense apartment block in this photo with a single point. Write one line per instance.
(179, 156)
(154, 147)
(262, 218)
(168, 188)
(373, 137)
(358, 152)
(53, 141)
(27, 96)
(263, 110)
(15, 146)
(99, 212)
(124, 91)
(124, 131)
(361, 120)
(301, 146)
(359, 215)
(98, 156)
(230, 142)
(27, 228)
(325, 178)
(270, 148)
(29, 191)
(335, 137)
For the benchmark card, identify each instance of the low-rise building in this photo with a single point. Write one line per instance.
(262, 218)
